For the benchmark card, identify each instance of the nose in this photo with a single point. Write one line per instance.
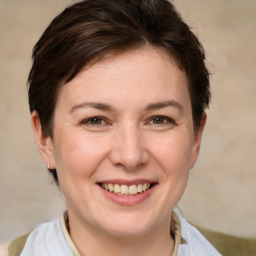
(128, 149)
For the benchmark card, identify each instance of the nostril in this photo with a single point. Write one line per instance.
(128, 150)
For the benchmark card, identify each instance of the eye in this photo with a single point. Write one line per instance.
(94, 121)
(161, 121)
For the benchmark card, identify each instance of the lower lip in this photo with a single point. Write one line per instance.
(128, 200)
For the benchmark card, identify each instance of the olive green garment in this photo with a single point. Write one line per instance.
(229, 245)
(17, 245)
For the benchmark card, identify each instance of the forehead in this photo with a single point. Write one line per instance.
(155, 55)
(143, 74)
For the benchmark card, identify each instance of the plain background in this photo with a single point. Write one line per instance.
(221, 193)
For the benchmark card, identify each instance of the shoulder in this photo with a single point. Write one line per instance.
(16, 246)
(204, 241)
(46, 239)
(194, 242)
(199, 244)
(229, 245)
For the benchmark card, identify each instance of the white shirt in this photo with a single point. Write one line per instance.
(49, 240)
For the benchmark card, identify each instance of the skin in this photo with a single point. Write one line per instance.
(143, 130)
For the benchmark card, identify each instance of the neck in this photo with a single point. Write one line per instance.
(93, 242)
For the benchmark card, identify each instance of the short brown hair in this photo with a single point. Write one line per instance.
(91, 30)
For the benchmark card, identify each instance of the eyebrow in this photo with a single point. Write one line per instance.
(107, 107)
(164, 104)
(96, 105)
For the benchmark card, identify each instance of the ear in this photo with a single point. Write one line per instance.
(45, 143)
(197, 140)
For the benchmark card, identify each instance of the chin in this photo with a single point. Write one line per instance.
(129, 225)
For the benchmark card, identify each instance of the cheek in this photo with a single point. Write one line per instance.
(173, 153)
(79, 156)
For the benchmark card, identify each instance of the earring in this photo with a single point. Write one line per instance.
(48, 166)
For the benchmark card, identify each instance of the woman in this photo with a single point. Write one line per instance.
(117, 92)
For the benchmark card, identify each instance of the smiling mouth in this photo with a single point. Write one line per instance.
(125, 190)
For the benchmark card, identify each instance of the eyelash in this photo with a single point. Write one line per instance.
(165, 120)
(89, 121)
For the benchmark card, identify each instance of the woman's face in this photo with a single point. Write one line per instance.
(124, 124)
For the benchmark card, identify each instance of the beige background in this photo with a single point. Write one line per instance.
(222, 189)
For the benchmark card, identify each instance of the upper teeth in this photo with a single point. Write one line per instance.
(126, 190)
